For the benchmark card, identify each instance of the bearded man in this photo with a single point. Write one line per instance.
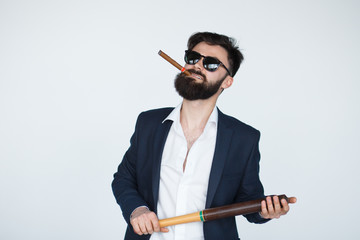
(185, 159)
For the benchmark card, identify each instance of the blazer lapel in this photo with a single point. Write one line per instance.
(223, 140)
(158, 146)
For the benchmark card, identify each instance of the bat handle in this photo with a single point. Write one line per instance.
(192, 217)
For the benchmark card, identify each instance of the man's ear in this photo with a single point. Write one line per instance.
(227, 82)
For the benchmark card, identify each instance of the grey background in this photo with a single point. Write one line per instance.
(74, 75)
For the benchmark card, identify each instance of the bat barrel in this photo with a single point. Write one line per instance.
(235, 209)
(210, 214)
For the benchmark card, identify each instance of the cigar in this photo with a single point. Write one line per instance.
(174, 63)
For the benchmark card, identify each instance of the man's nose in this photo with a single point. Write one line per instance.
(199, 65)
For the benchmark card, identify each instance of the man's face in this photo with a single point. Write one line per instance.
(203, 84)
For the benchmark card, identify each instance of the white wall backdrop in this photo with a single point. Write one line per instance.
(75, 74)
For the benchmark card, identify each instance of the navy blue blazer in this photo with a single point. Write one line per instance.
(234, 175)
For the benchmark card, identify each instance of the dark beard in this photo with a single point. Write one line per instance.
(189, 89)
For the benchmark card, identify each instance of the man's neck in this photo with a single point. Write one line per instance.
(195, 114)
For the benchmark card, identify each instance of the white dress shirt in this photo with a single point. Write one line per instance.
(182, 192)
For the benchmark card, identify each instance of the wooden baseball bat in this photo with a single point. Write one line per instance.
(218, 212)
(174, 63)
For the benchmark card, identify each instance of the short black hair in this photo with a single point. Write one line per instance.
(235, 57)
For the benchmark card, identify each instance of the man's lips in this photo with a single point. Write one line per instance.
(196, 76)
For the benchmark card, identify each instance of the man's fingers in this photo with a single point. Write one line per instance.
(272, 207)
(138, 225)
(285, 206)
(276, 203)
(277, 207)
(155, 223)
(143, 228)
(146, 223)
(264, 212)
(269, 205)
(149, 227)
(136, 228)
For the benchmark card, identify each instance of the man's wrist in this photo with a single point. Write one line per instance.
(136, 211)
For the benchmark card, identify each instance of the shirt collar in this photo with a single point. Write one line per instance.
(175, 115)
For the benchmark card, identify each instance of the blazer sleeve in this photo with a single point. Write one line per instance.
(251, 186)
(124, 184)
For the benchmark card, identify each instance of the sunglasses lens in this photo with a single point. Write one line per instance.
(211, 64)
(192, 57)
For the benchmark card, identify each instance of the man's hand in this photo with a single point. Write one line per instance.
(145, 221)
(273, 208)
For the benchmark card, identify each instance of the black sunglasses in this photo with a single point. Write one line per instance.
(210, 63)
